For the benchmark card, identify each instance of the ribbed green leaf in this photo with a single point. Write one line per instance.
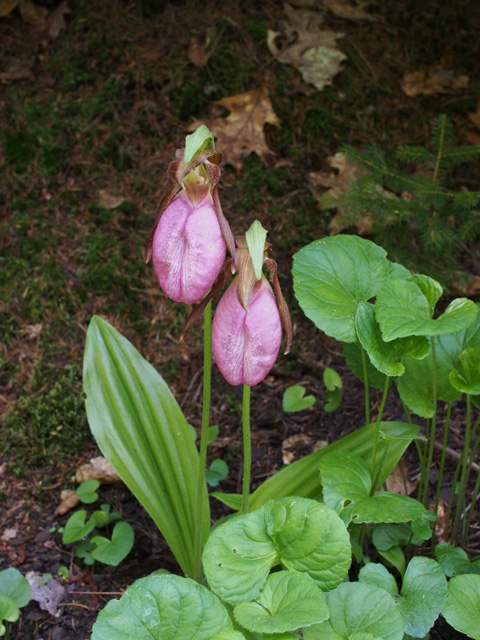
(462, 609)
(142, 432)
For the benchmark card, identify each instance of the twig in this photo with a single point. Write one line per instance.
(454, 454)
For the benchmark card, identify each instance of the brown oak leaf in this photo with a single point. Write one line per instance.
(241, 132)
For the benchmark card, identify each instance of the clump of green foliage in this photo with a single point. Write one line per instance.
(418, 212)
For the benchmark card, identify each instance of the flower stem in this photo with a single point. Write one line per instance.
(202, 461)
(247, 449)
(433, 428)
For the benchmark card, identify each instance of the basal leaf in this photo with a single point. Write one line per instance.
(163, 607)
(386, 536)
(469, 382)
(462, 609)
(229, 635)
(218, 471)
(87, 491)
(379, 576)
(302, 478)
(396, 558)
(454, 560)
(288, 600)
(14, 585)
(142, 432)
(9, 610)
(423, 595)
(357, 607)
(345, 477)
(297, 533)
(76, 528)
(404, 308)
(352, 353)
(113, 551)
(333, 275)
(416, 385)
(331, 379)
(385, 506)
(385, 356)
(294, 399)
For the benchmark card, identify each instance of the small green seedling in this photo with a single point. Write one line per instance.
(294, 399)
(334, 383)
(91, 548)
(218, 471)
(14, 593)
(63, 572)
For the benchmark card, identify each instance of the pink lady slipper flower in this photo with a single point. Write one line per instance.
(247, 327)
(189, 239)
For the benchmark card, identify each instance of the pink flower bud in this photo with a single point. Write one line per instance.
(188, 249)
(245, 344)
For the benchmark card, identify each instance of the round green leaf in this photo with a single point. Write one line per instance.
(404, 307)
(115, 550)
(298, 533)
(385, 506)
(423, 595)
(470, 381)
(385, 356)
(331, 379)
(294, 399)
(333, 275)
(218, 471)
(76, 527)
(344, 476)
(289, 600)
(163, 607)
(378, 576)
(357, 607)
(14, 585)
(454, 560)
(462, 609)
(87, 491)
(9, 610)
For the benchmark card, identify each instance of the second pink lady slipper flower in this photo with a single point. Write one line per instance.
(189, 239)
(247, 327)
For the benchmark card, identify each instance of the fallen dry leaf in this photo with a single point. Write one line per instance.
(197, 52)
(241, 132)
(347, 10)
(311, 50)
(32, 13)
(56, 20)
(9, 534)
(441, 519)
(109, 201)
(434, 81)
(17, 69)
(300, 439)
(97, 469)
(68, 501)
(398, 481)
(338, 181)
(469, 289)
(7, 6)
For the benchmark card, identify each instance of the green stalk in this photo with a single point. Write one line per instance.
(423, 460)
(365, 384)
(459, 509)
(417, 444)
(202, 461)
(247, 448)
(433, 428)
(376, 473)
(442, 459)
(476, 489)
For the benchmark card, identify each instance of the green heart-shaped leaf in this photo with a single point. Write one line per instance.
(8, 611)
(345, 477)
(76, 527)
(385, 356)
(333, 275)
(357, 607)
(378, 576)
(404, 308)
(14, 585)
(294, 399)
(423, 594)
(462, 609)
(385, 506)
(454, 560)
(165, 607)
(288, 600)
(218, 471)
(87, 491)
(297, 533)
(331, 379)
(115, 550)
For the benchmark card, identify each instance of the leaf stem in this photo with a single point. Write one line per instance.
(202, 461)
(365, 383)
(459, 509)
(376, 473)
(247, 448)
(433, 426)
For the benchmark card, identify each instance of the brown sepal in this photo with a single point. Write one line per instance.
(282, 305)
